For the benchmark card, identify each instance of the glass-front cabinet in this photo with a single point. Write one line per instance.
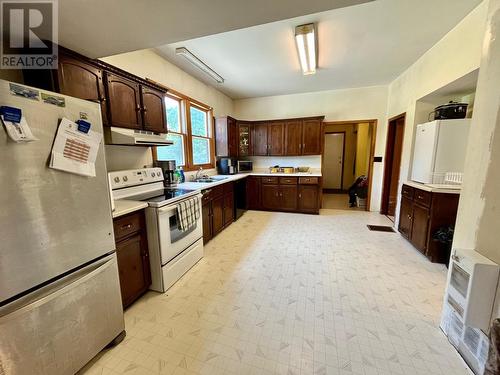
(244, 139)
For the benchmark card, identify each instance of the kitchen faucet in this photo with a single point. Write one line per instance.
(198, 172)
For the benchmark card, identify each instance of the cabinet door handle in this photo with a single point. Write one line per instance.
(420, 197)
(124, 227)
(300, 195)
(144, 109)
(138, 108)
(303, 145)
(277, 194)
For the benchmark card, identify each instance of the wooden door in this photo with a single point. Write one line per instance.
(81, 80)
(133, 266)
(217, 214)
(333, 161)
(393, 151)
(405, 217)
(206, 215)
(124, 105)
(271, 197)
(420, 219)
(308, 198)
(228, 208)
(288, 197)
(153, 109)
(275, 134)
(311, 137)
(260, 145)
(244, 139)
(293, 138)
(253, 193)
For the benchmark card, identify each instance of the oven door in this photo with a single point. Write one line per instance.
(173, 241)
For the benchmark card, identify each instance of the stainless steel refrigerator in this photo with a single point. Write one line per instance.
(60, 300)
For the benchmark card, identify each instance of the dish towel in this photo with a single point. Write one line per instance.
(188, 212)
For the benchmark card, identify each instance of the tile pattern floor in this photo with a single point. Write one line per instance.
(292, 294)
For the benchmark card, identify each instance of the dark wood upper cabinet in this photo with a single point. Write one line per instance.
(275, 134)
(244, 139)
(153, 110)
(124, 104)
(226, 137)
(260, 142)
(82, 80)
(293, 138)
(311, 137)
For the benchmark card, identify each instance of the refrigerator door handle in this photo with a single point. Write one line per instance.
(53, 290)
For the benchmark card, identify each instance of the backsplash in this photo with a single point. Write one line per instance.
(260, 162)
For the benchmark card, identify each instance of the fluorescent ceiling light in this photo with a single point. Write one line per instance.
(184, 52)
(305, 38)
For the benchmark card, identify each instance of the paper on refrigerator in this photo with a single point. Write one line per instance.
(75, 151)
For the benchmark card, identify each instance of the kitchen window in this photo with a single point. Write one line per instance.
(190, 127)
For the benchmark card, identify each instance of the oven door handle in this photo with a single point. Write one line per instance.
(164, 210)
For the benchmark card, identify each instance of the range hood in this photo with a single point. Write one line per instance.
(132, 137)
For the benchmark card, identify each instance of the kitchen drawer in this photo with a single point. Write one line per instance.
(228, 187)
(270, 180)
(422, 197)
(308, 180)
(288, 180)
(212, 193)
(128, 224)
(407, 191)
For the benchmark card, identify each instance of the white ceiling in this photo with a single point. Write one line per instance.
(363, 45)
(98, 28)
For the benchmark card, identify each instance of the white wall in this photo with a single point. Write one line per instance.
(455, 55)
(336, 105)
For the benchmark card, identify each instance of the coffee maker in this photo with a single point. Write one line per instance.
(227, 166)
(168, 168)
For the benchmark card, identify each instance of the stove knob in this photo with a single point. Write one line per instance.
(125, 178)
(158, 174)
(152, 174)
(117, 179)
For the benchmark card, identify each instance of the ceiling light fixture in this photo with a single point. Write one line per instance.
(305, 39)
(184, 52)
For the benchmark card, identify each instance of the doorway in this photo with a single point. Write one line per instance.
(334, 162)
(348, 155)
(393, 151)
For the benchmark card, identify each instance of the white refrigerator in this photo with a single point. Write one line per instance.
(439, 149)
(60, 301)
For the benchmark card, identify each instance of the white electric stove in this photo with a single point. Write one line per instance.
(172, 252)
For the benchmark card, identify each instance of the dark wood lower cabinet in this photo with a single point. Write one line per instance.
(288, 197)
(133, 256)
(253, 193)
(308, 198)
(422, 214)
(286, 194)
(217, 210)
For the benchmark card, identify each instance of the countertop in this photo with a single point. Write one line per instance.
(125, 206)
(228, 178)
(435, 188)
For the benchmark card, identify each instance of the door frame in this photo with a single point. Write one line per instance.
(389, 151)
(341, 190)
(373, 128)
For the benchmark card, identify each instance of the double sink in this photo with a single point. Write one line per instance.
(206, 180)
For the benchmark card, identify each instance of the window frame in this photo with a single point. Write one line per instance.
(182, 129)
(184, 116)
(209, 137)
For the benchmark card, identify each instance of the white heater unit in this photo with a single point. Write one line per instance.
(468, 304)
